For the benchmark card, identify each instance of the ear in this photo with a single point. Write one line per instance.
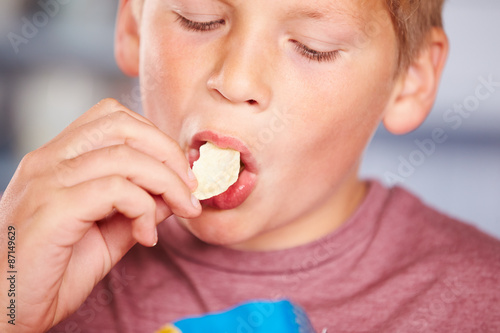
(127, 38)
(416, 89)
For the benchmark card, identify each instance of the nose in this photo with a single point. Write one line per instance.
(241, 72)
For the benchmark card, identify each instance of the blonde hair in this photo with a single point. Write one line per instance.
(413, 20)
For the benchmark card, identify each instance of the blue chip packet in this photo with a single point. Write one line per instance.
(252, 317)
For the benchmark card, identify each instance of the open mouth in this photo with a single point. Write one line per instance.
(242, 167)
(237, 193)
(194, 155)
(247, 161)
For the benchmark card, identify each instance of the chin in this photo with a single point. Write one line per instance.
(224, 228)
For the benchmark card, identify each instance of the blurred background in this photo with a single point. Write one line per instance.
(57, 61)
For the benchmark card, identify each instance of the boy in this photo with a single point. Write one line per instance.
(298, 224)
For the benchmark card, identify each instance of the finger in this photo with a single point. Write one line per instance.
(162, 209)
(141, 169)
(124, 129)
(101, 110)
(117, 228)
(77, 208)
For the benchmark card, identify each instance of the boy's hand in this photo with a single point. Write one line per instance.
(79, 203)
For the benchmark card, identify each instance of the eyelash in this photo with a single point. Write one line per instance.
(199, 26)
(300, 48)
(315, 55)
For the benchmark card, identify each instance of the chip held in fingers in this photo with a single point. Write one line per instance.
(216, 170)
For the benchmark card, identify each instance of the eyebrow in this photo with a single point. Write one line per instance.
(305, 12)
(331, 12)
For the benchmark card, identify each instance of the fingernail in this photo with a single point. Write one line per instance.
(195, 202)
(155, 237)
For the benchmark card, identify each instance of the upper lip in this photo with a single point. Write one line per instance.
(223, 141)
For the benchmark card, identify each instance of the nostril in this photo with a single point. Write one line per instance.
(252, 102)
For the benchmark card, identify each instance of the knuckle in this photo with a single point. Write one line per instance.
(120, 116)
(106, 106)
(118, 152)
(151, 204)
(30, 163)
(28, 158)
(66, 169)
(113, 184)
(109, 103)
(62, 172)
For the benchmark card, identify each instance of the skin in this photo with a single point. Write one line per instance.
(80, 202)
(248, 70)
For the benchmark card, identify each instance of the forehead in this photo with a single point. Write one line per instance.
(356, 10)
(356, 7)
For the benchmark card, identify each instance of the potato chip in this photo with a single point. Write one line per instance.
(216, 170)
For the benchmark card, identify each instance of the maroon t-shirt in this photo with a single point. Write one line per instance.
(395, 266)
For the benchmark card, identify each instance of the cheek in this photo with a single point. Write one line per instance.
(169, 78)
(340, 116)
(334, 116)
(348, 103)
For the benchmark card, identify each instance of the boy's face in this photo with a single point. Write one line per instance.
(302, 85)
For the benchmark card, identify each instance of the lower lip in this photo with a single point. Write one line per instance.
(236, 194)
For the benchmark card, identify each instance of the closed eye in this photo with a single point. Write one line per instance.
(199, 26)
(314, 55)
